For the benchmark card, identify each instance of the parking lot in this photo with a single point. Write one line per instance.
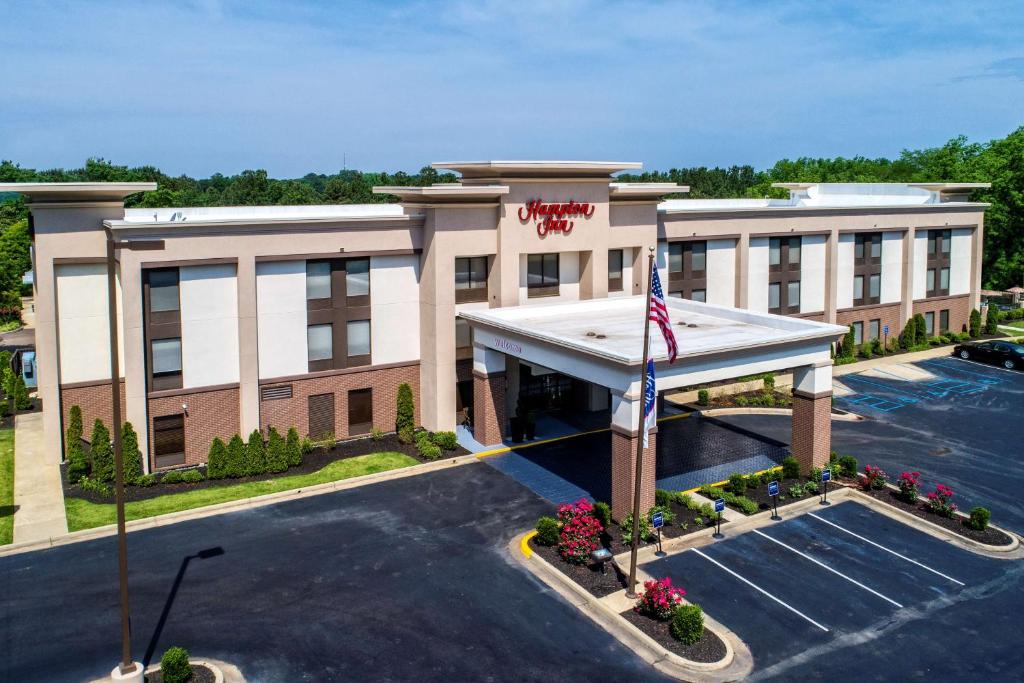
(811, 595)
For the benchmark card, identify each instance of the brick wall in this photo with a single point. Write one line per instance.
(887, 314)
(812, 430)
(489, 414)
(94, 400)
(294, 412)
(210, 414)
(624, 473)
(959, 311)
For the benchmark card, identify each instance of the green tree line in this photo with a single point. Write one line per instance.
(1000, 162)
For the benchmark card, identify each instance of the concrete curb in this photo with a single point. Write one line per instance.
(236, 505)
(712, 412)
(222, 671)
(737, 663)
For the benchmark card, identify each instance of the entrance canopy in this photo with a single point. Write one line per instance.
(601, 341)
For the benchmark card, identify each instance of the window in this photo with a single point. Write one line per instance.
(542, 274)
(470, 279)
(858, 287)
(944, 279)
(162, 328)
(357, 277)
(874, 328)
(463, 340)
(858, 333)
(784, 271)
(929, 323)
(320, 342)
(937, 274)
(944, 321)
(875, 287)
(358, 338)
(318, 280)
(169, 440)
(687, 270)
(867, 268)
(165, 364)
(615, 270)
(360, 411)
(163, 290)
(321, 416)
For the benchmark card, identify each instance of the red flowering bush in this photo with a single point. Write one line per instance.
(581, 532)
(874, 477)
(659, 599)
(939, 501)
(909, 484)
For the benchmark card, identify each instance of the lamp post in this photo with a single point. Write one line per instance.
(127, 670)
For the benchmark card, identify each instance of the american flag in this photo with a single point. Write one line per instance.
(659, 314)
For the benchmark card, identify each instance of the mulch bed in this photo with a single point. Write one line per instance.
(764, 502)
(708, 649)
(316, 459)
(956, 524)
(781, 400)
(613, 540)
(589, 578)
(200, 674)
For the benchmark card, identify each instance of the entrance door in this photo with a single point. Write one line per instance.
(545, 392)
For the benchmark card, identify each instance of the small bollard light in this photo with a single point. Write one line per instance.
(601, 557)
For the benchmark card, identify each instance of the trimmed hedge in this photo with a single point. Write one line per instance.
(687, 624)
(547, 531)
(101, 454)
(174, 666)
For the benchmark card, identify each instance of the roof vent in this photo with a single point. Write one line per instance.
(691, 325)
(600, 336)
(591, 334)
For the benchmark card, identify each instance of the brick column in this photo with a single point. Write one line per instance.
(624, 470)
(812, 415)
(489, 407)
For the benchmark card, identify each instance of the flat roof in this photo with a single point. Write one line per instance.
(471, 169)
(613, 328)
(64, 192)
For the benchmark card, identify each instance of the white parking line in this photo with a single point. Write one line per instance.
(882, 547)
(825, 566)
(982, 365)
(759, 589)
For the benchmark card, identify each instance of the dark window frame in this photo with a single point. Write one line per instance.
(866, 266)
(784, 272)
(338, 311)
(477, 290)
(938, 259)
(684, 282)
(547, 286)
(615, 284)
(355, 398)
(160, 326)
(163, 425)
(944, 321)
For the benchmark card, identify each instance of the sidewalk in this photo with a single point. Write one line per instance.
(38, 497)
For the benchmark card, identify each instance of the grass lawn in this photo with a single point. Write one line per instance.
(6, 486)
(85, 515)
(1019, 324)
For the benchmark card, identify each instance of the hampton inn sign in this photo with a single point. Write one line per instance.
(554, 217)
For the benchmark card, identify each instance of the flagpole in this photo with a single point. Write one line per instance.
(631, 586)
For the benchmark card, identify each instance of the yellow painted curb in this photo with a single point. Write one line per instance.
(524, 544)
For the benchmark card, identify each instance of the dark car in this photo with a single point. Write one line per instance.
(1007, 354)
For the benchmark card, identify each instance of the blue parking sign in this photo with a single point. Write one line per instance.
(885, 329)
(773, 488)
(720, 505)
(826, 475)
(658, 520)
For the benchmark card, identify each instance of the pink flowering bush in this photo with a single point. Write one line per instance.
(659, 599)
(910, 486)
(581, 532)
(939, 501)
(874, 477)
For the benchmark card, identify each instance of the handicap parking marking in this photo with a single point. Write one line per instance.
(828, 568)
(759, 589)
(888, 550)
(952, 361)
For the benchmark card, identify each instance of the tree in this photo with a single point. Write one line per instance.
(921, 330)
(293, 448)
(102, 455)
(255, 454)
(131, 456)
(992, 320)
(237, 460)
(974, 326)
(73, 435)
(277, 457)
(22, 401)
(849, 346)
(405, 420)
(908, 337)
(218, 465)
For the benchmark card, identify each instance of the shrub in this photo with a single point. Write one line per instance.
(603, 512)
(21, 397)
(174, 666)
(687, 501)
(876, 346)
(815, 475)
(908, 337)
(846, 349)
(848, 465)
(659, 599)
(865, 349)
(979, 518)
(376, 433)
(939, 501)
(406, 435)
(741, 401)
(405, 414)
(131, 456)
(94, 485)
(712, 492)
(102, 456)
(790, 468)
(255, 454)
(666, 514)
(74, 431)
(446, 440)
(217, 460)
(796, 491)
(277, 455)
(920, 329)
(192, 476)
(626, 527)
(428, 449)
(688, 624)
(909, 483)
(769, 382)
(236, 457)
(146, 480)
(811, 487)
(293, 448)
(737, 484)
(172, 477)
(874, 477)
(580, 532)
(78, 465)
(662, 497)
(746, 505)
(708, 510)
(703, 397)
(974, 325)
(753, 481)
(547, 531)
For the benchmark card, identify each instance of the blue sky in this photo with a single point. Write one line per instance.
(206, 86)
